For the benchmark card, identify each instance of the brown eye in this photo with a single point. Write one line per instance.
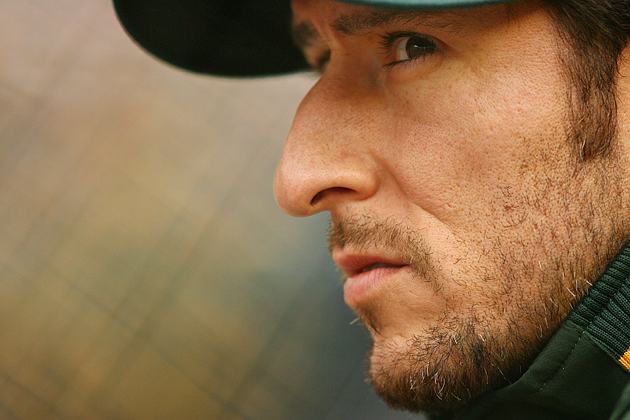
(413, 47)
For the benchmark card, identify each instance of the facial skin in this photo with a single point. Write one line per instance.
(456, 167)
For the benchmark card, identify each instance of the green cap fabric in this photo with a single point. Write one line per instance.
(232, 37)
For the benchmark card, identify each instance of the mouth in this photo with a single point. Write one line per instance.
(364, 274)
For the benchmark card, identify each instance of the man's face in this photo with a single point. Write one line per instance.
(462, 220)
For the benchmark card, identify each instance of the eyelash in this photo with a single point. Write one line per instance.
(389, 39)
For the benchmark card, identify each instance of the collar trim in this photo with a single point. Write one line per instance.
(604, 313)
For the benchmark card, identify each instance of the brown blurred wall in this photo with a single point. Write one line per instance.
(145, 271)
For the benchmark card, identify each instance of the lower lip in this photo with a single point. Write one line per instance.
(359, 287)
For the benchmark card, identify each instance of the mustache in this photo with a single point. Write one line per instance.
(369, 232)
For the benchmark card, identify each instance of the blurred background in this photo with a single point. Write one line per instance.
(145, 271)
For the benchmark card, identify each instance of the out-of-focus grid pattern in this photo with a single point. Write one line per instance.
(145, 272)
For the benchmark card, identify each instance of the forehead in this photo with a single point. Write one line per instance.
(323, 9)
(313, 17)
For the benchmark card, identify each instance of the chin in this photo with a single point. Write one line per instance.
(444, 367)
(408, 384)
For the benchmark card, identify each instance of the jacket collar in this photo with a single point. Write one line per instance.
(583, 369)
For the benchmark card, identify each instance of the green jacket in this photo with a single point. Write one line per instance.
(583, 372)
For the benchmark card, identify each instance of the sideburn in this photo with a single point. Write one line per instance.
(594, 34)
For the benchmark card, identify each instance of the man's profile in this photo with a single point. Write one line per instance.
(474, 157)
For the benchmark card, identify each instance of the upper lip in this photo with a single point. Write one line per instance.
(352, 264)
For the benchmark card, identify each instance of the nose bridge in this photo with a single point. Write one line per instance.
(332, 103)
(326, 159)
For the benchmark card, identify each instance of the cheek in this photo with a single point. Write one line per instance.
(457, 143)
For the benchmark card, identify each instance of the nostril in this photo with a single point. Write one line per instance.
(320, 195)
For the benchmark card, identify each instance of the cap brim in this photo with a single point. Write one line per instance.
(231, 37)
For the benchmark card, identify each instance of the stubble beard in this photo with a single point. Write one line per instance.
(571, 225)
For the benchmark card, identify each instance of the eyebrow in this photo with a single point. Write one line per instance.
(304, 33)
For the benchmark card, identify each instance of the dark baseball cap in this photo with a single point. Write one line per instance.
(233, 37)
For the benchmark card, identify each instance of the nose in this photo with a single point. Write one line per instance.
(327, 160)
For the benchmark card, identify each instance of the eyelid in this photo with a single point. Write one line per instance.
(389, 39)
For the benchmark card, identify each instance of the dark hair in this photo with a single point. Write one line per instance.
(596, 32)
